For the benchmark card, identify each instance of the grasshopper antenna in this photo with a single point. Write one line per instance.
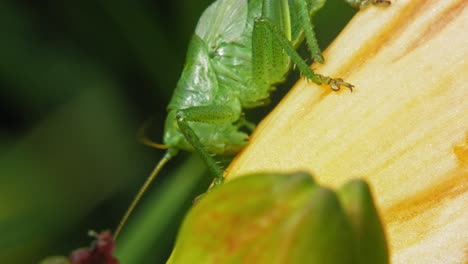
(170, 153)
(143, 138)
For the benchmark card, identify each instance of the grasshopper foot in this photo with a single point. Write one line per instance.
(335, 83)
(382, 2)
(361, 4)
(318, 57)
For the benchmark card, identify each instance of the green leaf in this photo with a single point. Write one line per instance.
(275, 218)
(357, 201)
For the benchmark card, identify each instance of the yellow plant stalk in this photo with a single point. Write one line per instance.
(404, 128)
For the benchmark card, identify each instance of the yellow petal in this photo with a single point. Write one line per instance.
(404, 128)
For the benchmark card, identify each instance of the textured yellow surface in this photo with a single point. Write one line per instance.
(404, 128)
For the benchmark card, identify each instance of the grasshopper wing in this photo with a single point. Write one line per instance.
(223, 20)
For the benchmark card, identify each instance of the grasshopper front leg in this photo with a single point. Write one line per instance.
(205, 114)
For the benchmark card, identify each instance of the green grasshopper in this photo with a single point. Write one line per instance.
(240, 51)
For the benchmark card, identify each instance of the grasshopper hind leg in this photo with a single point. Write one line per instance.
(264, 29)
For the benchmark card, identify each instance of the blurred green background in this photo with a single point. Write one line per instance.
(77, 79)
